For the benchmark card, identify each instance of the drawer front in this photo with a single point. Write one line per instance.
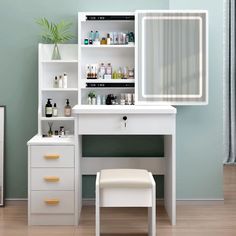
(52, 202)
(52, 156)
(52, 179)
(134, 124)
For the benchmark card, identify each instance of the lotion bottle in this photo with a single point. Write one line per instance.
(65, 80)
(48, 108)
(54, 110)
(67, 109)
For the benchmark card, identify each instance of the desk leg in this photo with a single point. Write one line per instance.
(78, 174)
(170, 177)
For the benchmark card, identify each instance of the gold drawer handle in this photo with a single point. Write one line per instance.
(52, 179)
(52, 202)
(52, 156)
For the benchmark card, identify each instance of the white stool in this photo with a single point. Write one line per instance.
(126, 188)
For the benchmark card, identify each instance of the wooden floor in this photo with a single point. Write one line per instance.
(200, 220)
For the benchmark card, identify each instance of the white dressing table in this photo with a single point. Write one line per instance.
(141, 120)
(170, 57)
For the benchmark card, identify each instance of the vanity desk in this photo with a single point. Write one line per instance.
(164, 58)
(131, 120)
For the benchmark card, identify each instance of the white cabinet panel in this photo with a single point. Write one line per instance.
(52, 179)
(51, 202)
(171, 57)
(52, 156)
(134, 124)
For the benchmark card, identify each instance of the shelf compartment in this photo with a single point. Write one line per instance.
(108, 88)
(58, 118)
(50, 70)
(69, 53)
(60, 90)
(125, 46)
(59, 61)
(109, 81)
(57, 123)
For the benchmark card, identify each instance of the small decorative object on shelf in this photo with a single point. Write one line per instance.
(50, 132)
(92, 98)
(55, 33)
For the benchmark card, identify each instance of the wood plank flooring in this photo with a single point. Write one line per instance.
(192, 220)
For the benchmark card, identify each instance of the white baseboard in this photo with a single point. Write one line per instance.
(200, 201)
(16, 199)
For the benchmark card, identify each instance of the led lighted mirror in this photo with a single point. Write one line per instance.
(173, 58)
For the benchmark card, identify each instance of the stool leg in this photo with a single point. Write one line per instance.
(152, 214)
(151, 221)
(97, 209)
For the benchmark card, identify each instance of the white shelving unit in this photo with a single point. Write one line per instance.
(48, 69)
(117, 55)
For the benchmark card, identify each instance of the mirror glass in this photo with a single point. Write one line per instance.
(173, 52)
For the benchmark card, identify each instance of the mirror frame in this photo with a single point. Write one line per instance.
(2, 199)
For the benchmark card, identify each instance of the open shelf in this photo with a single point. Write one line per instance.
(109, 80)
(59, 61)
(108, 88)
(60, 89)
(109, 46)
(62, 118)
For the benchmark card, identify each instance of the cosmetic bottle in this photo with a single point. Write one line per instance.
(102, 71)
(62, 131)
(60, 82)
(67, 109)
(103, 41)
(48, 108)
(91, 36)
(54, 110)
(120, 74)
(111, 37)
(86, 41)
(99, 101)
(108, 39)
(65, 80)
(109, 69)
(55, 82)
(97, 35)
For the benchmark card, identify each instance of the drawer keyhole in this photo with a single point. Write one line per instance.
(125, 120)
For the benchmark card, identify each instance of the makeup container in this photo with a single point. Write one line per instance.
(115, 38)
(111, 37)
(108, 39)
(65, 80)
(86, 41)
(102, 71)
(56, 82)
(99, 100)
(60, 83)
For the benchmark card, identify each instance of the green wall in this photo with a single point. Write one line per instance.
(199, 129)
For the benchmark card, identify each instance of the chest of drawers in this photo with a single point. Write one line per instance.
(51, 185)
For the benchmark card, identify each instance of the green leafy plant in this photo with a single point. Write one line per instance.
(92, 94)
(55, 32)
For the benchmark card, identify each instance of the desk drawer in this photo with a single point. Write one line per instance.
(135, 124)
(52, 156)
(52, 178)
(51, 202)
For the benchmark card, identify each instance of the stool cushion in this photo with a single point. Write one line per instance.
(125, 178)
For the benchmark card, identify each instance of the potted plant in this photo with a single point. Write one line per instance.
(92, 98)
(55, 33)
